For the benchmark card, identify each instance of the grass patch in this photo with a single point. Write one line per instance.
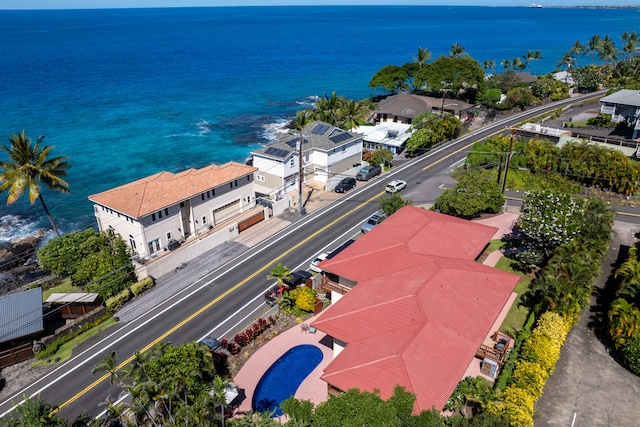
(63, 288)
(66, 349)
(495, 245)
(517, 315)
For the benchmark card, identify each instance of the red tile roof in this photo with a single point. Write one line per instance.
(420, 309)
(155, 192)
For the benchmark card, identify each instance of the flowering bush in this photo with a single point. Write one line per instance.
(304, 298)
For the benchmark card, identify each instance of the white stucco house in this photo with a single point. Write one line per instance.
(327, 153)
(386, 135)
(624, 106)
(153, 213)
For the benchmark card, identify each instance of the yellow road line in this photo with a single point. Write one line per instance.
(218, 299)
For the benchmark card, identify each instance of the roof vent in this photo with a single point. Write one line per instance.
(392, 133)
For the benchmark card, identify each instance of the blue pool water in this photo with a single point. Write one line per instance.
(283, 378)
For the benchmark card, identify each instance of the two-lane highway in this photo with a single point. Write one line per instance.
(232, 294)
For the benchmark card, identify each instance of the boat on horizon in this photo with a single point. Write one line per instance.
(535, 5)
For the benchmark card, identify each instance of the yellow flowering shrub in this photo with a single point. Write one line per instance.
(519, 406)
(552, 325)
(304, 297)
(530, 376)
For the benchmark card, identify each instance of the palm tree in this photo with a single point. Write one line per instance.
(607, 50)
(630, 43)
(28, 166)
(528, 58)
(109, 364)
(575, 51)
(592, 46)
(457, 50)
(422, 57)
(488, 64)
(536, 57)
(518, 64)
(566, 61)
(279, 273)
(351, 115)
(506, 63)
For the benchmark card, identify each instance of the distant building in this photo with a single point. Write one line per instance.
(623, 106)
(412, 307)
(404, 107)
(327, 152)
(154, 213)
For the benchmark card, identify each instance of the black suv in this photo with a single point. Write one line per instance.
(297, 278)
(345, 185)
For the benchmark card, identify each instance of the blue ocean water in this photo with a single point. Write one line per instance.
(125, 93)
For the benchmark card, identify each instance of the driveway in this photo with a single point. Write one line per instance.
(589, 388)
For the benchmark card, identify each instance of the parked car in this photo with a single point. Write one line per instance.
(314, 264)
(211, 342)
(297, 278)
(345, 185)
(373, 220)
(368, 172)
(395, 186)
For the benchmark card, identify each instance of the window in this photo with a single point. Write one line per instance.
(132, 242)
(204, 219)
(166, 211)
(159, 214)
(154, 246)
(169, 236)
(248, 177)
(260, 178)
(153, 217)
(235, 182)
(231, 185)
(292, 162)
(208, 195)
(202, 196)
(182, 204)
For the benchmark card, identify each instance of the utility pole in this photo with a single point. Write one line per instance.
(506, 163)
(301, 209)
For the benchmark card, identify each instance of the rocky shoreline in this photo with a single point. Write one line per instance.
(19, 267)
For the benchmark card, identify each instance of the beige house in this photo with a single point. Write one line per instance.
(155, 213)
(404, 107)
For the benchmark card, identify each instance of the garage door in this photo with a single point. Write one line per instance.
(226, 211)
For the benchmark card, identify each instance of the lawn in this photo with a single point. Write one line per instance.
(65, 351)
(63, 288)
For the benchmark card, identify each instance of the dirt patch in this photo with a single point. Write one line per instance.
(20, 375)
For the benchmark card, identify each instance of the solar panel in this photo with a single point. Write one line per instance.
(340, 137)
(278, 152)
(293, 143)
(320, 129)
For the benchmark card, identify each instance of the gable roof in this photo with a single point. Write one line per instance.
(421, 307)
(317, 135)
(153, 193)
(624, 96)
(20, 314)
(410, 105)
(526, 77)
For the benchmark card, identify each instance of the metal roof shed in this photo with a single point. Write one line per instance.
(20, 314)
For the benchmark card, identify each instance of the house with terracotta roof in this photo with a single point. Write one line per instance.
(411, 306)
(327, 153)
(404, 107)
(155, 212)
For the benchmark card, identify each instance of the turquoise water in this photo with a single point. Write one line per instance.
(125, 93)
(283, 378)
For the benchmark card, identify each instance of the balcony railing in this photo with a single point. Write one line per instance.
(330, 286)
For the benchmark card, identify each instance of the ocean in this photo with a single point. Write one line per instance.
(126, 93)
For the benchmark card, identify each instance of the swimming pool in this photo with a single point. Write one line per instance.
(283, 378)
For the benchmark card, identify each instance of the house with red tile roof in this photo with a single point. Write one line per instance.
(154, 212)
(413, 306)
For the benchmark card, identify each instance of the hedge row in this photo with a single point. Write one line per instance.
(540, 352)
(114, 303)
(53, 347)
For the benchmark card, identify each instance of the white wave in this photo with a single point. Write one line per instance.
(181, 135)
(14, 228)
(270, 130)
(308, 101)
(204, 126)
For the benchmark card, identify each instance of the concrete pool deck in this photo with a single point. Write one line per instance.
(312, 388)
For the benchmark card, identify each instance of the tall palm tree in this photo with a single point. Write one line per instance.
(28, 167)
(506, 63)
(422, 57)
(607, 50)
(488, 64)
(575, 51)
(536, 57)
(457, 50)
(528, 58)
(593, 44)
(518, 64)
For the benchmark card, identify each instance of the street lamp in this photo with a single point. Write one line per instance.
(301, 209)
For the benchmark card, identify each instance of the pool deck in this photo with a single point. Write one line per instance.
(312, 388)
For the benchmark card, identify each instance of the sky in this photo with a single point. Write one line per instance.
(91, 4)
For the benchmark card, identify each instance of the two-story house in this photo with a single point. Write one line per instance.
(411, 306)
(327, 152)
(623, 106)
(153, 213)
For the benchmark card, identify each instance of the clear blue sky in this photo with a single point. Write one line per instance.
(88, 4)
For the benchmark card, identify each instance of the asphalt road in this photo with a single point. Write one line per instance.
(226, 287)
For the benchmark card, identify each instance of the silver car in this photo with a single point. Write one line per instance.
(373, 220)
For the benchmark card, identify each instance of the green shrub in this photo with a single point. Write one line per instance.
(142, 286)
(114, 303)
(630, 353)
(305, 298)
(601, 120)
(53, 347)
